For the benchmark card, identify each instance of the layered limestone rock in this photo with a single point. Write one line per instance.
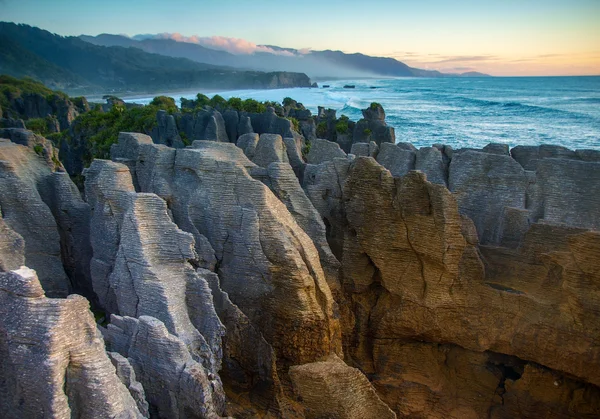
(53, 358)
(373, 127)
(24, 177)
(143, 277)
(330, 388)
(324, 150)
(413, 271)
(175, 384)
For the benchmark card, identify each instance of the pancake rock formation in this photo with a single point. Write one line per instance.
(249, 274)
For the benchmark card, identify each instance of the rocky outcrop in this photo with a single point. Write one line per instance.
(397, 160)
(324, 150)
(365, 149)
(373, 127)
(434, 311)
(166, 131)
(24, 177)
(270, 149)
(249, 243)
(203, 125)
(175, 384)
(330, 388)
(53, 358)
(34, 105)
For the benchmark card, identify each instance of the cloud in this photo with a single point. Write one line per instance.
(236, 46)
(464, 58)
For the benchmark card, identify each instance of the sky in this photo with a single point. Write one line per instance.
(508, 37)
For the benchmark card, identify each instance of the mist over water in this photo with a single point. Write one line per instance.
(464, 112)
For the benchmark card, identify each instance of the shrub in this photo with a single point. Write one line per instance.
(39, 149)
(38, 125)
(251, 105)
(202, 100)
(235, 103)
(342, 126)
(288, 101)
(295, 124)
(165, 103)
(306, 149)
(375, 105)
(218, 102)
(322, 129)
(367, 132)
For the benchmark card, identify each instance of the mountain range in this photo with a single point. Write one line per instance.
(73, 65)
(316, 64)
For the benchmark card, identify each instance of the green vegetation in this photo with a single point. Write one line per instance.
(306, 148)
(367, 132)
(39, 150)
(374, 105)
(39, 125)
(185, 138)
(288, 101)
(12, 89)
(164, 102)
(71, 63)
(101, 129)
(295, 124)
(322, 129)
(342, 125)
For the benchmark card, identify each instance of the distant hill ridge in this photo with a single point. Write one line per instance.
(321, 64)
(73, 65)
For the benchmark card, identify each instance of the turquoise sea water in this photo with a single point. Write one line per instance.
(467, 112)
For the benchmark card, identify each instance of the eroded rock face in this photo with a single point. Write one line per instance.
(53, 358)
(414, 272)
(143, 277)
(330, 388)
(213, 195)
(176, 386)
(24, 177)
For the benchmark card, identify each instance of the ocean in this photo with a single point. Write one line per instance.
(464, 112)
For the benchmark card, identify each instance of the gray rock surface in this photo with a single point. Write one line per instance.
(12, 248)
(430, 161)
(126, 374)
(176, 385)
(496, 148)
(248, 142)
(146, 277)
(53, 358)
(212, 194)
(22, 172)
(365, 149)
(323, 150)
(484, 185)
(397, 160)
(166, 131)
(294, 148)
(270, 148)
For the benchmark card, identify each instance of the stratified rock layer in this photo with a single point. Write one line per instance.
(53, 360)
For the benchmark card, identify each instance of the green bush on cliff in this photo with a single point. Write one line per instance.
(235, 103)
(295, 124)
(218, 102)
(322, 129)
(251, 105)
(374, 105)
(165, 102)
(100, 129)
(38, 125)
(342, 125)
(12, 88)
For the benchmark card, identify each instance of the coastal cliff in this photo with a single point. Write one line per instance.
(297, 266)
